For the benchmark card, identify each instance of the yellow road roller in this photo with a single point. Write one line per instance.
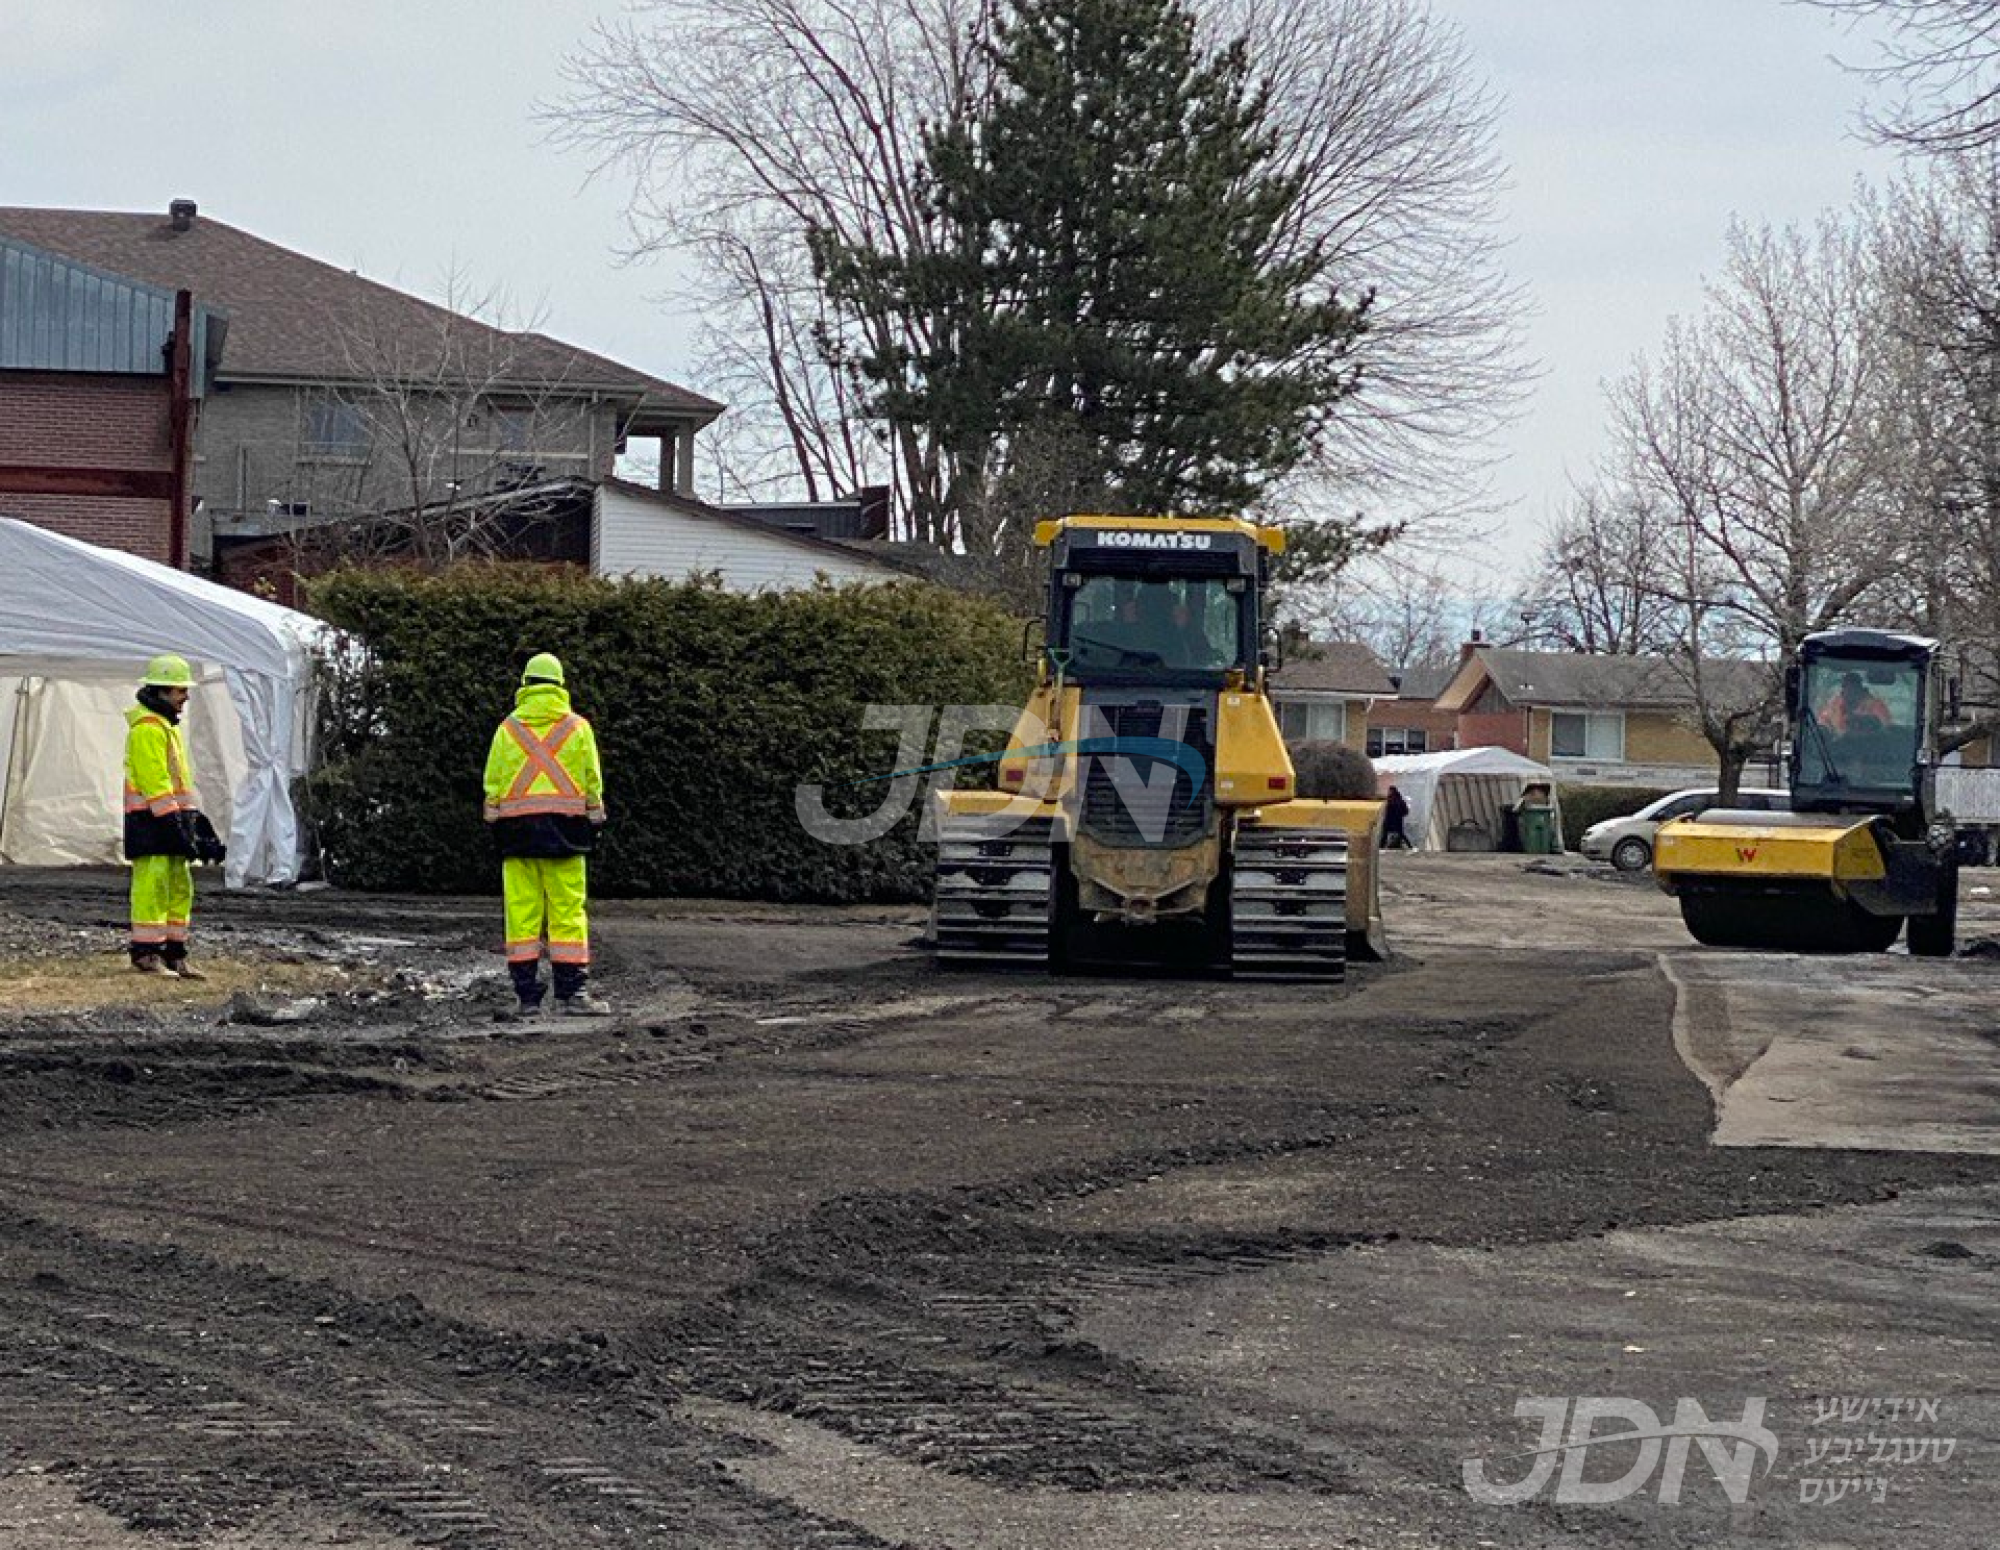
(1865, 847)
(1146, 808)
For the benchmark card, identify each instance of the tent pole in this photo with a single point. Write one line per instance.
(16, 741)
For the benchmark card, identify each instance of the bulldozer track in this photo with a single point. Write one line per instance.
(171, 1426)
(430, 1247)
(1288, 903)
(994, 891)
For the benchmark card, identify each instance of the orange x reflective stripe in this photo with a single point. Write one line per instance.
(542, 764)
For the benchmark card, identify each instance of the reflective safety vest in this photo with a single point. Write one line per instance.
(542, 767)
(1839, 716)
(156, 766)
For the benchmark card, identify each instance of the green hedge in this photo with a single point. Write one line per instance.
(1583, 806)
(710, 708)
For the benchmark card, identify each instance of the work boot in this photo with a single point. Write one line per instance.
(582, 1004)
(185, 970)
(522, 1012)
(150, 963)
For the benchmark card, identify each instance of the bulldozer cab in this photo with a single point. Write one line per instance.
(1146, 603)
(1863, 719)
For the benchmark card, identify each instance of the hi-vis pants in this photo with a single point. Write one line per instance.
(546, 899)
(162, 903)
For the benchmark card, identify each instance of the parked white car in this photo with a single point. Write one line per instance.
(1627, 843)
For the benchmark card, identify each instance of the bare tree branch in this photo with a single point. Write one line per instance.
(1942, 60)
(434, 411)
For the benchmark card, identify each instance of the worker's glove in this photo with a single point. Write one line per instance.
(207, 844)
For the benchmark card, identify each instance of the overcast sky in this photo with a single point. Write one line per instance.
(399, 139)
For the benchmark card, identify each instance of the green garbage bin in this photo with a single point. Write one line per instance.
(1538, 830)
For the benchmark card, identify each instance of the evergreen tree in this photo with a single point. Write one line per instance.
(1108, 289)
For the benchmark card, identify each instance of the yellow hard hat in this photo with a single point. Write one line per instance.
(169, 672)
(543, 667)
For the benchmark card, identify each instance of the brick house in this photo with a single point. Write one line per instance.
(1618, 720)
(101, 381)
(1326, 690)
(1410, 722)
(341, 397)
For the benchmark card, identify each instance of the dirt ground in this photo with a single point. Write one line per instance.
(816, 1244)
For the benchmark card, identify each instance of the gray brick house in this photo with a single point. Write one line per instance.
(341, 397)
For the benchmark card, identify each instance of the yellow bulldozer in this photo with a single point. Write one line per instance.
(1865, 847)
(1147, 808)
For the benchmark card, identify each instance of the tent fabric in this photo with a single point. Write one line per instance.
(1465, 789)
(77, 625)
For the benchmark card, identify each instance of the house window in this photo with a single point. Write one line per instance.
(1313, 721)
(1395, 740)
(335, 428)
(513, 429)
(1596, 735)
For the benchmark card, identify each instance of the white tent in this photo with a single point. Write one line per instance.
(1465, 790)
(77, 624)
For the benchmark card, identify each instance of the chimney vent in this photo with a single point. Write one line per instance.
(181, 213)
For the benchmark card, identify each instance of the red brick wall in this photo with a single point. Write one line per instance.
(137, 527)
(77, 420)
(1494, 729)
(1440, 727)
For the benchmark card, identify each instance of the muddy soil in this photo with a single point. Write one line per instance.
(816, 1244)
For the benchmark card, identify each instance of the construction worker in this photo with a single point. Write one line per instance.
(545, 801)
(1854, 707)
(164, 828)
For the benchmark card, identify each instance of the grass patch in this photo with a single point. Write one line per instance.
(89, 982)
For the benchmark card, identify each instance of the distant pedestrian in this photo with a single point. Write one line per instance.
(1395, 812)
(165, 830)
(545, 802)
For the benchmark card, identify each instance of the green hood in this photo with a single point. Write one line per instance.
(541, 705)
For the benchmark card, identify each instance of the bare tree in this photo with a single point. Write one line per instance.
(1603, 579)
(1753, 435)
(1942, 58)
(1755, 444)
(746, 124)
(1408, 615)
(1936, 246)
(1387, 123)
(437, 411)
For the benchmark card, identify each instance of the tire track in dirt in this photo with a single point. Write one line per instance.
(187, 1425)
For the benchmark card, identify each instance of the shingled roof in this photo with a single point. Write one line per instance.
(295, 318)
(1335, 667)
(1421, 683)
(1578, 681)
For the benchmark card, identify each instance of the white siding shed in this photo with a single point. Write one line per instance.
(638, 532)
